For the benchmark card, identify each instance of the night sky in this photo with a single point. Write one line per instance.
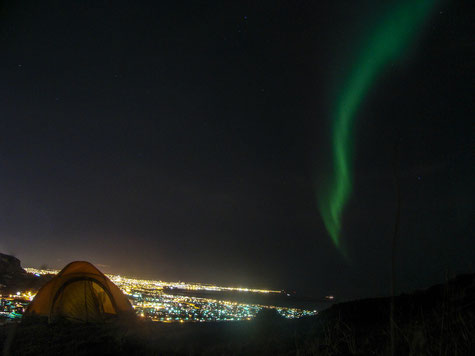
(187, 141)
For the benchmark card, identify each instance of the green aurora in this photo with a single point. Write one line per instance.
(387, 43)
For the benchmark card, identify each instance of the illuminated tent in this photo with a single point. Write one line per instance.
(79, 293)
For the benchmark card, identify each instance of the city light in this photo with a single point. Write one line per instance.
(155, 300)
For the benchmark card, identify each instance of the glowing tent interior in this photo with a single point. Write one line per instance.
(79, 293)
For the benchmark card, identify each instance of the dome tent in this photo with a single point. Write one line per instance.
(79, 293)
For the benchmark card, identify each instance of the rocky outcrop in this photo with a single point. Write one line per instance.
(11, 272)
(13, 278)
(10, 265)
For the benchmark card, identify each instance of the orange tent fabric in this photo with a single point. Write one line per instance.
(81, 293)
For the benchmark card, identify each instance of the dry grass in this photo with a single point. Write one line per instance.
(439, 322)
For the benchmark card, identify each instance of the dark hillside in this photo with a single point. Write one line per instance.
(10, 269)
(14, 278)
(436, 321)
(458, 293)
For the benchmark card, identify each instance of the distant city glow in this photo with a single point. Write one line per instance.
(117, 279)
(149, 300)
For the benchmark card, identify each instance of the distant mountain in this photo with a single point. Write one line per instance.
(10, 269)
(10, 265)
(14, 278)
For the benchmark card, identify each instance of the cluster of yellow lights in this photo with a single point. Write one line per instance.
(175, 308)
(150, 300)
(28, 295)
(126, 282)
